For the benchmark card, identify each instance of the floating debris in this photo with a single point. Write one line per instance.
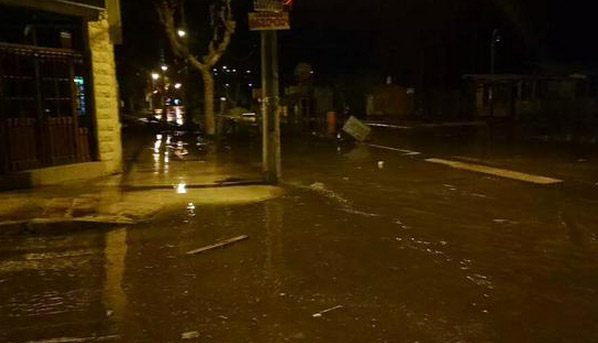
(218, 245)
(321, 313)
(190, 335)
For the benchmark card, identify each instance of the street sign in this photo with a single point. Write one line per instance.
(357, 129)
(263, 21)
(268, 5)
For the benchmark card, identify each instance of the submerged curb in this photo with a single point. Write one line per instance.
(61, 225)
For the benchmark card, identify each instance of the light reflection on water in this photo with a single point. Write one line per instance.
(181, 188)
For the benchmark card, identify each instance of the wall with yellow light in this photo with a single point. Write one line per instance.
(106, 99)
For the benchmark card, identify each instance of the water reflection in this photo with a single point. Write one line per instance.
(156, 153)
(174, 115)
(113, 295)
(274, 269)
(274, 213)
(179, 120)
(181, 188)
(191, 209)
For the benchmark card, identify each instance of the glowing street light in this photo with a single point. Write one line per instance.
(164, 67)
(155, 76)
(178, 86)
(182, 33)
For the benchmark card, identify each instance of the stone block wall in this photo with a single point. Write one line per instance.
(106, 98)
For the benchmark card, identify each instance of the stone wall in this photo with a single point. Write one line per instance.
(106, 98)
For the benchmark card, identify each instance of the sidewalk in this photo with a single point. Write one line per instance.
(162, 171)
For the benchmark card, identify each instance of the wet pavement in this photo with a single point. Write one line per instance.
(355, 251)
(161, 170)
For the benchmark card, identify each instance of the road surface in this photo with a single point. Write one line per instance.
(373, 242)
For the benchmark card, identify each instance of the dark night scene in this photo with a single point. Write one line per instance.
(270, 171)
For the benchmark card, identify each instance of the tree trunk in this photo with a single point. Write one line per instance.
(208, 84)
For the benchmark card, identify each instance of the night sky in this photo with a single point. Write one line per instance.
(397, 37)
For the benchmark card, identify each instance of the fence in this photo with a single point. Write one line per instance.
(43, 110)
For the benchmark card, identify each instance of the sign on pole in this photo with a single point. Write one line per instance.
(270, 16)
(261, 21)
(357, 129)
(268, 5)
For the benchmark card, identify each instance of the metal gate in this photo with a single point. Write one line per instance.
(44, 114)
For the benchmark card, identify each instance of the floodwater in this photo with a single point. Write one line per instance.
(355, 251)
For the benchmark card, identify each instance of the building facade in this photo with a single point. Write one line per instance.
(59, 103)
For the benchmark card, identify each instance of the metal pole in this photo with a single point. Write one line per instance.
(492, 57)
(495, 38)
(492, 63)
(270, 102)
(4, 161)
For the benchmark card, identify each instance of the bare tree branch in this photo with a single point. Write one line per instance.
(223, 27)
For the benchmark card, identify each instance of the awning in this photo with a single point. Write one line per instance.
(89, 9)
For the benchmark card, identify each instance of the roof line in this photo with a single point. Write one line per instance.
(71, 3)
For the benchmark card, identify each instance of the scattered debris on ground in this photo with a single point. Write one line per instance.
(218, 245)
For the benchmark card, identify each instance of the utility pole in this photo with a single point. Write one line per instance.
(270, 16)
(496, 38)
(270, 101)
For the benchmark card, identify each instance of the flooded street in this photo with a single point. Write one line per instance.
(355, 251)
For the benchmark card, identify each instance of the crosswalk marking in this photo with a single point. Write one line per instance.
(509, 174)
(406, 152)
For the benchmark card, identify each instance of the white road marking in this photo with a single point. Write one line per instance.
(509, 174)
(455, 124)
(406, 152)
(390, 126)
(431, 125)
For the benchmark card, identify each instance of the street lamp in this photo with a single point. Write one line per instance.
(182, 33)
(178, 86)
(155, 76)
(164, 67)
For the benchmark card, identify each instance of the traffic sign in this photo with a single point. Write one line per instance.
(357, 129)
(262, 21)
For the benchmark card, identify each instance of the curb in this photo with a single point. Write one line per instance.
(57, 226)
(197, 186)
